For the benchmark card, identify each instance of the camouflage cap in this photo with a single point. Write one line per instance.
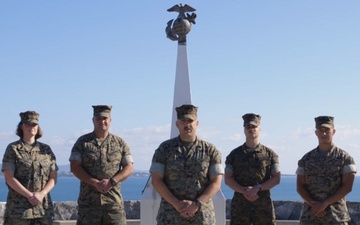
(251, 119)
(187, 111)
(102, 110)
(29, 117)
(324, 121)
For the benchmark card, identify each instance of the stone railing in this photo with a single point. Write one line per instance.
(285, 210)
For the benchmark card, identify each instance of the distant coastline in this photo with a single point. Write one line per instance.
(64, 171)
(67, 188)
(135, 174)
(139, 173)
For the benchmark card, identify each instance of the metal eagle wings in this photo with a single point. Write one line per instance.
(177, 30)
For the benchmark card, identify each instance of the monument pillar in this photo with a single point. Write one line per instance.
(177, 30)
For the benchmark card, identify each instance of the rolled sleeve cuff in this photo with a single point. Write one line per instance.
(216, 169)
(300, 171)
(275, 167)
(54, 167)
(157, 168)
(228, 168)
(75, 156)
(349, 169)
(127, 159)
(8, 166)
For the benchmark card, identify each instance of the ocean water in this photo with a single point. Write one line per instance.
(67, 189)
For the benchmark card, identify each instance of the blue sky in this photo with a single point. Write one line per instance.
(288, 61)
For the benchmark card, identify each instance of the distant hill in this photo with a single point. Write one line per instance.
(64, 170)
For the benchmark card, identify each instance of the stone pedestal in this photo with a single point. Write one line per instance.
(286, 211)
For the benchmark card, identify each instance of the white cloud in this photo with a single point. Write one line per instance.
(142, 142)
(6, 138)
(289, 145)
(234, 137)
(299, 133)
(346, 132)
(8, 135)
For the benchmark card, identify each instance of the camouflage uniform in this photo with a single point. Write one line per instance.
(101, 162)
(323, 174)
(251, 167)
(187, 174)
(31, 166)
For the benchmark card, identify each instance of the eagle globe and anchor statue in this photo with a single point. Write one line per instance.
(176, 30)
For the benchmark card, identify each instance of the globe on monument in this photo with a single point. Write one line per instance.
(181, 26)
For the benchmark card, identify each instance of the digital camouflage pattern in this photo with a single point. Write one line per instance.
(187, 176)
(324, 121)
(37, 221)
(251, 167)
(323, 176)
(186, 111)
(251, 119)
(101, 162)
(106, 214)
(31, 167)
(29, 117)
(260, 212)
(102, 110)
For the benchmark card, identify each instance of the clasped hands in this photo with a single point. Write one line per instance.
(103, 185)
(318, 208)
(36, 198)
(250, 193)
(186, 208)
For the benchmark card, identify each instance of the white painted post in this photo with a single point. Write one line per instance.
(150, 199)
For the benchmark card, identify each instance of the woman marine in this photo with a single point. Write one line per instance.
(30, 173)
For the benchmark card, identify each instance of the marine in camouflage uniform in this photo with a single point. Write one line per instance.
(325, 176)
(33, 165)
(101, 161)
(252, 169)
(187, 172)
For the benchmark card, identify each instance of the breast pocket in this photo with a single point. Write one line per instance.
(45, 168)
(175, 166)
(202, 167)
(23, 171)
(24, 164)
(264, 167)
(91, 157)
(114, 156)
(113, 161)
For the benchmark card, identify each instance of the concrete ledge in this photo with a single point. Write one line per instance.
(137, 222)
(286, 212)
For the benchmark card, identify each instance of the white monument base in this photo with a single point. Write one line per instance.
(150, 202)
